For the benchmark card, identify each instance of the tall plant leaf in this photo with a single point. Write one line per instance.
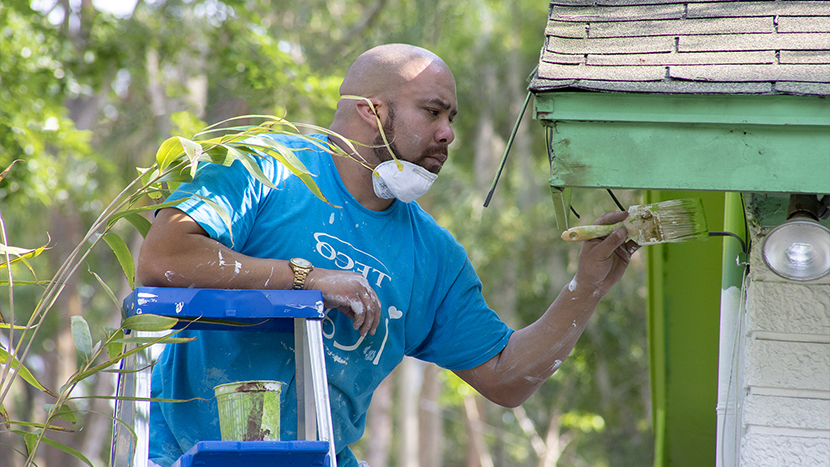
(82, 337)
(19, 253)
(169, 151)
(24, 372)
(125, 258)
(64, 412)
(31, 444)
(148, 322)
(106, 288)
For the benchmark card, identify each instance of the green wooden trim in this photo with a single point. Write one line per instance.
(669, 108)
(684, 292)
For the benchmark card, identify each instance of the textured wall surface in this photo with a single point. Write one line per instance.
(786, 370)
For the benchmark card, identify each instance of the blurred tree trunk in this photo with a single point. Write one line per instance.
(478, 454)
(67, 232)
(409, 392)
(431, 423)
(379, 424)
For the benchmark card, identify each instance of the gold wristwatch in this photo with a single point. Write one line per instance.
(301, 268)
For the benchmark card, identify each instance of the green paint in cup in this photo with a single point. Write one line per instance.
(249, 410)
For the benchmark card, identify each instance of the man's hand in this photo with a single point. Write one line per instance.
(350, 293)
(603, 261)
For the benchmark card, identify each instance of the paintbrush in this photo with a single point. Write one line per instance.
(677, 220)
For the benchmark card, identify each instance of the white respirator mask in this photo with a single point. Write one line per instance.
(406, 183)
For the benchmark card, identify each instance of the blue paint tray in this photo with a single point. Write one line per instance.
(241, 310)
(256, 454)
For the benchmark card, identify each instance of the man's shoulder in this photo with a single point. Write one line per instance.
(436, 235)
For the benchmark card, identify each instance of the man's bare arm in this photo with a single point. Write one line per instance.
(179, 253)
(535, 352)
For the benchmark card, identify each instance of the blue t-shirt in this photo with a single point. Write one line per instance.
(432, 307)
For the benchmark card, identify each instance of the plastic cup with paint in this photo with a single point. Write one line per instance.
(249, 410)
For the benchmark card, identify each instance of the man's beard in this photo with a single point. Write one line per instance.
(382, 150)
(379, 146)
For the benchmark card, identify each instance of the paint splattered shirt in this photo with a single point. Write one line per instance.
(432, 307)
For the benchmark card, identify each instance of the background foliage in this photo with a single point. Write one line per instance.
(87, 95)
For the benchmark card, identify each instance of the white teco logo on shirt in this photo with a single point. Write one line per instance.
(327, 246)
(334, 249)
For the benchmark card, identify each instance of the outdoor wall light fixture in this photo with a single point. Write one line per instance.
(799, 249)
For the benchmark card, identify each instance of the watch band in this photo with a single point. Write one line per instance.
(301, 268)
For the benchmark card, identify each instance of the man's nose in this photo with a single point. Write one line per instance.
(445, 135)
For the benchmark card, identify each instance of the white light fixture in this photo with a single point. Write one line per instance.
(799, 249)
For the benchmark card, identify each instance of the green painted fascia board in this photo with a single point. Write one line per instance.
(670, 108)
(691, 156)
(684, 292)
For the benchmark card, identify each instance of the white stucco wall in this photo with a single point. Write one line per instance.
(785, 377)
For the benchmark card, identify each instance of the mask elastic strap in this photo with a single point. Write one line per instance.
(380, 127)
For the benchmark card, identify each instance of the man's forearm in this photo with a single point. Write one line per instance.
(178, 253)
(535, 352)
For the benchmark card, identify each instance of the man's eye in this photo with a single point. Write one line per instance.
(432, 112)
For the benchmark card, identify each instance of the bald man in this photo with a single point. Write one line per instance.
(394, 283)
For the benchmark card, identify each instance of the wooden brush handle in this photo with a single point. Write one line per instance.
(587, 232)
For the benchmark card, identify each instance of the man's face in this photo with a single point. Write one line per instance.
(418, 121)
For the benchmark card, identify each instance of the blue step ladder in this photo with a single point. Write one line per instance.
(299, 311)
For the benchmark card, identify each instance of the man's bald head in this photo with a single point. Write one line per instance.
(383, 69)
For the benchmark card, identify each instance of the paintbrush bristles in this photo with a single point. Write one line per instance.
(677, 220)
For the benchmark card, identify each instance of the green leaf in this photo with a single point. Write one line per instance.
(16, 327)
(226, 219)
(169, 151)
(40, 426)
(114, 348)
(141, 223)
(125, 258)
(67, 450)
(63, 412)
(218, 155)
(148, 322)
(5, 172)
(86, 374)
(251, 166)
(107, 289)
(287, 157)
(146, 340)
(30, 439)
(5, 414)
(193, 151)
(82, 336)
(19, 253)
(23, 372)
(136, 212)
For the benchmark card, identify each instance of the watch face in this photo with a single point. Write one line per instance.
(301, 263)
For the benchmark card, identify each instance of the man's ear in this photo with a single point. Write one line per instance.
(368, 111)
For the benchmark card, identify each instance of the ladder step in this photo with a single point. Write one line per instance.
(256, 454)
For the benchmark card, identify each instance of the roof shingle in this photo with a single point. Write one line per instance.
(692, 46)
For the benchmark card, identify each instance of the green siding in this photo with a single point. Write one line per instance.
(684, 284)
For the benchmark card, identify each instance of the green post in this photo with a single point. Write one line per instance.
(684, 292)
